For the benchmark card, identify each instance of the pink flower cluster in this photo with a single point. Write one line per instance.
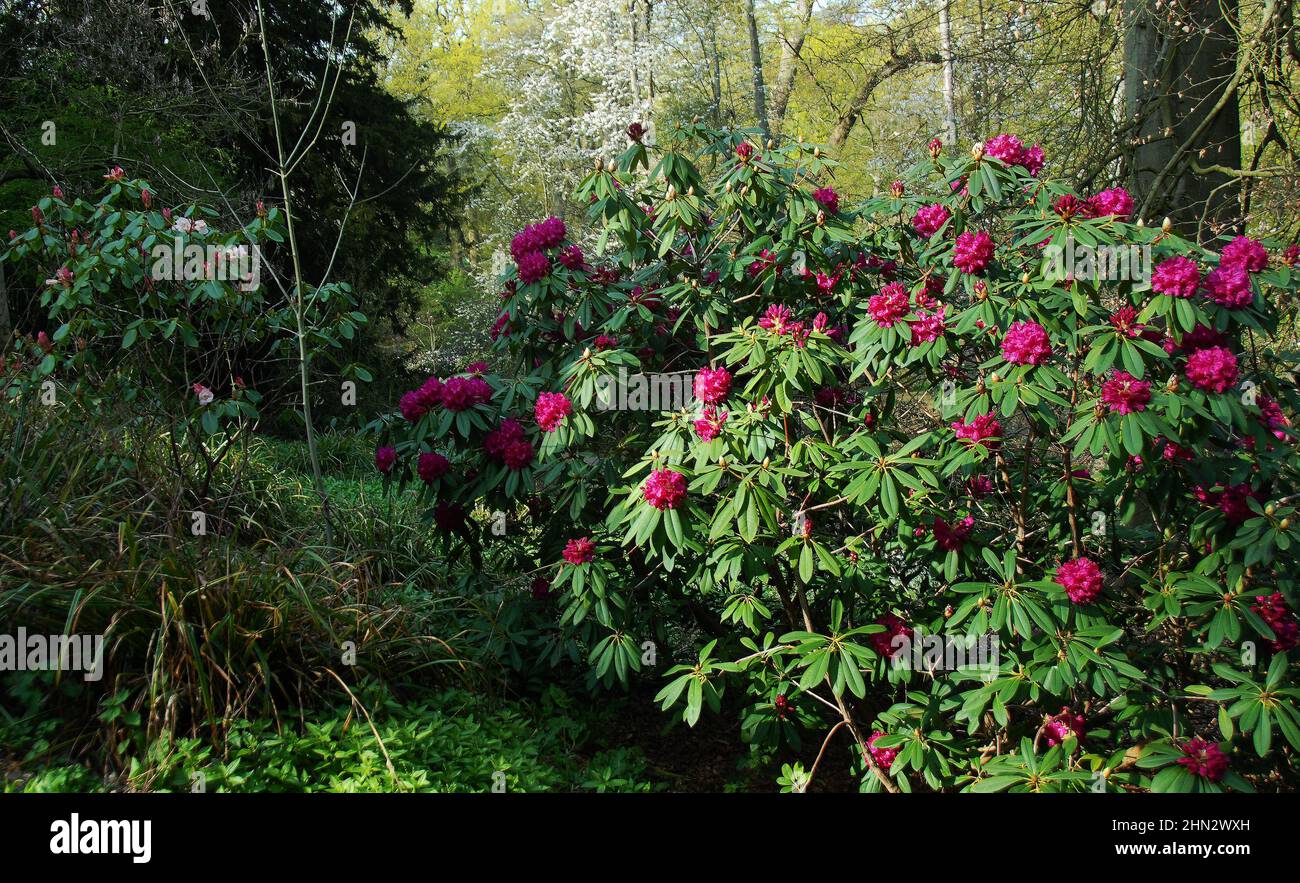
(979, 430)
(550, 410)
(778, 320)
(1026, 343)
(1204, 759)
(828, 199)
(1125, 394)
(709, 424)
(1116, 202)
(1231, 501)
(883, 642)
(1213, 369)
(1229, 284)
(527, 247)
(890, 305)
(1273, 610)
(928, 327)
(664, 489)
(881, 757)
(929, 218)
(951, 537)
(579, 551)
(972, 252)
(1081, 579)
(385, 458)
(455, 394)
(1060, 727)
(1176, 277)
(508, 445)
(1012, 151)
(712, 385)
(431, 466)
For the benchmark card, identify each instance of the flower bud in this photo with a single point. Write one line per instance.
(977, 152)
(1171, 385)
(1166, 225)
(1284, 523)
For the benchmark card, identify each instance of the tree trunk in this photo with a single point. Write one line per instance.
(791, 46)
(1180, 100)
(945, 50)
(756, 62)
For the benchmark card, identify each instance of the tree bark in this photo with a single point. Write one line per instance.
(756, 63)
(849, 117)
(949, 75)
(791, 46)
(1180, 100)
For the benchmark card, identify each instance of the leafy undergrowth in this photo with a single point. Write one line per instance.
(451, 741)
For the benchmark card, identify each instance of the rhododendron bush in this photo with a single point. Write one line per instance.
(902, 422)
(155, 311)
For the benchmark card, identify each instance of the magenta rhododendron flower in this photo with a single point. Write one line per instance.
(1067, 205)
(1011, 150)
(1273, 610)
(461, 393)
(890, 305)
(1213, 368)
(541, 588)
(1026, 343)
(972, 252)
(777, 319)
(1081, 578)
(930, 218)
(1204, 759)
(533, 267)
(928, 327)
(744, 150)
(1125, 394)
(1115, 201)
(951, 537)
(979, 486)
(1271, 416)
(1231, 501)
(385, 457)
(517, 454)
(712, 385)
(551, 409)
(1202, 337)
(432, 466)
(497, 440)
(979, 430)
(1291, 256)
(664, 489)
(1124, 320)
(1246, 253)
(1176, 277)
(1060, 727)
(709, 424)
(881, 757)
(883, 642)
(572, 258)
(204, 394)
(1229, 285)
(579, 551)
(828, 199)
